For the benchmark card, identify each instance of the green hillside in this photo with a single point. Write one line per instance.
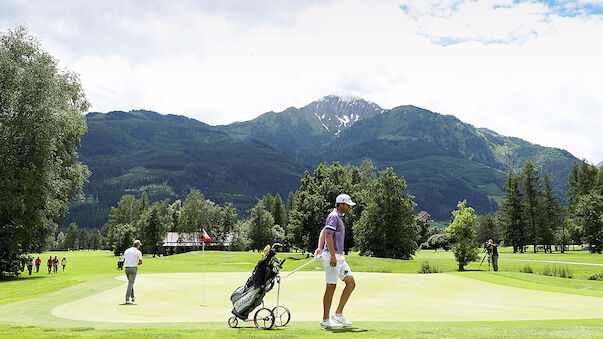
(166, 156)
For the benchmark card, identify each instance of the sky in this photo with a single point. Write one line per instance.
(529, 69)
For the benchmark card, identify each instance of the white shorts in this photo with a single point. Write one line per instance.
(342, 269)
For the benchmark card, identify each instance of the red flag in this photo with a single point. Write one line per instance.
(206, 237)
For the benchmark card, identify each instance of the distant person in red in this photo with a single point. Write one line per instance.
(49, 263)
(38, 263)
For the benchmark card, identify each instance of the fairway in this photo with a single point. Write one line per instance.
(178, 297)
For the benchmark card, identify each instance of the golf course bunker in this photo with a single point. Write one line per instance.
(378, 297)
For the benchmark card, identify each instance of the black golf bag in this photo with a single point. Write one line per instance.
(249, 296)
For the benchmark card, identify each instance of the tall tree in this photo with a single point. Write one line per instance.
(278, 211)
(551, 215)
(486, 227)
(261, 226)
(462, 235)
(510, 215)
(315, 199)
(589, 215)
(530, 185)
(387, 227)
(128, 211)
(41, 124)
(152, 227)
(95, 240)
(71, 236)
(581, 181)
(82, 237)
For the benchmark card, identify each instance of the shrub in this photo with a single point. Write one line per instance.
(526, 269)
(556, 271)
(598, 276)
(426, 267)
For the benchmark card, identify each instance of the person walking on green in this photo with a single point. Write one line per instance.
(330, 245)
(38, 262)
(55, 264)
(49, 263)
(64, 263)
(30, 263)
(133, 258)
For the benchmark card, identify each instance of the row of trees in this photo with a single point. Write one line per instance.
(138, 219)
(75, 238)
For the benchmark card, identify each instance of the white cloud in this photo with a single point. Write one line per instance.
(519, 69)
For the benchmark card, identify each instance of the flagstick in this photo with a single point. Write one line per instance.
(203, 271)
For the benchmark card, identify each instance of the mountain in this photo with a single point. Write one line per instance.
(166, 156)
(599, 165)
(303, 132)
(442, 159)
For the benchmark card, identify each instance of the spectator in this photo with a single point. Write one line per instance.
(64, 263)
(50, 264)
(120, 261)
(38, 262)
(55, 264)
(30, 263)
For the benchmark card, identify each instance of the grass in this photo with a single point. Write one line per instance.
(89, 272)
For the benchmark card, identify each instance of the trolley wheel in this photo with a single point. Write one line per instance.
(233, 322)
(281, 316)
(263, 319)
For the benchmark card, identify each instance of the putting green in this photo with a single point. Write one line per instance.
(179, 297)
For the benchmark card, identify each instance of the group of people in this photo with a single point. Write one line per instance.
(53, 264)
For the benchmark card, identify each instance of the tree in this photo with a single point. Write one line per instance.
(240, 239)
(60, 243)
(486, 228)
(128, 211)
(124, 239)
(41, 124)
(510, 215)
(440, 240)
(315, 199)
(581, 181)
(278, 211)
(71, 235)
(426, 231)
(82, 237)
(152, 227)
(462, 235)
(589, 216)
(261, 226)
(95, 240)
(551, 215)
(387, 227)
(530, 185)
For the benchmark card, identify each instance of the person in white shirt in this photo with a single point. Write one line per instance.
(133, 258)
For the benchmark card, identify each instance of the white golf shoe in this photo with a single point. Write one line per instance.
(330, 323)
(340, 319)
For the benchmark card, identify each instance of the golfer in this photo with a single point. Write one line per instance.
(330, 245)
(133, 259)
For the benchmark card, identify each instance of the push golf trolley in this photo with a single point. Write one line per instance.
(251, 295)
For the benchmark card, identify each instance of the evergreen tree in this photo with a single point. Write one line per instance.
(128, 211)
(261, 226)
(124, 239)
(41, 125)
(510, 215)
(462, 235)
(589, 216)
(552, 215)
(268, 202)
(486, 227)
(315, 199)
(531, 192)
(278, 211)
(95, 240)
(82, 238)
(387, 227)
(152, 228)
(71, 236)
(582, 179)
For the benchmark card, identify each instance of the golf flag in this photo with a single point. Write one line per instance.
(206, 237)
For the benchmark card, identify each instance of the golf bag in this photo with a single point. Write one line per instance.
(249, 296)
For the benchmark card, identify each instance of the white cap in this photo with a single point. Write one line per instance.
(344, 198)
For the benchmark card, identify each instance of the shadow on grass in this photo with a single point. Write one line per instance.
(22, 277)
(347, 330)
